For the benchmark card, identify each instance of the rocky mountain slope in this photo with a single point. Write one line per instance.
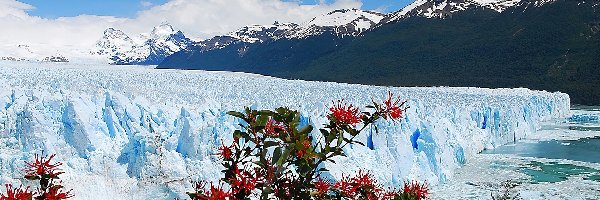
(546, 45)
(149, 49)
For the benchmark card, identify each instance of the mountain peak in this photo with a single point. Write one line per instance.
(343, 17)
(444, 8)
(163, 30)
(114, 33)
(162, 41)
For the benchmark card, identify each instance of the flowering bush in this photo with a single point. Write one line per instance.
(44, 171)
(272, 157)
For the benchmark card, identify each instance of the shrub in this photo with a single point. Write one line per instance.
(273, 157)
(46, 173)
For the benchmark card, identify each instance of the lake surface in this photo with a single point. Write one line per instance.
(586, 149)
(560, 161)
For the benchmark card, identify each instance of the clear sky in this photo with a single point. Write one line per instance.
(128, 8)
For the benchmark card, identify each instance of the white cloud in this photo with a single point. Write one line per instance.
(197, 18)
(146, 4)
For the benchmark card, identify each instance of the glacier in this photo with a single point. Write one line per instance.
(133, 132)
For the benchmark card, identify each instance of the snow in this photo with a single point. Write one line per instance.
(259, 33)
(437, 9)
(131, 132)
(117, 47)
(39, 52)
(344, 17)
(162, 31)
(345, 22)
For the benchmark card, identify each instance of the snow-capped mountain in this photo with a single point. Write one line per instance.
(153, 48)
(444, 8)
(38, 53)
(249, 34)
(261, 33)
(115, 43)
(341, 23)
(344, 22)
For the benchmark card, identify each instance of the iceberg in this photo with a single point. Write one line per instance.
(128, 132)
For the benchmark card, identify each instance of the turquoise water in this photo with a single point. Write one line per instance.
(554, 172)
(585, 150)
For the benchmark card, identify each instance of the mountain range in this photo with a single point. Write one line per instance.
(145, 49)
(540, 44)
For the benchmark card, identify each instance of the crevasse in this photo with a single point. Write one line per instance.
(134, 133)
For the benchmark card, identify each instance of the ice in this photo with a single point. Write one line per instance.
(139, 133)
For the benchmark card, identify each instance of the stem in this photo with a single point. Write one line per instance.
(321, 160)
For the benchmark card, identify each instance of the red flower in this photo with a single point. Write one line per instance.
(344, 113)
(365, 180)
(42, 168)
(55, 193)
(346, 187)
(391, 109)
(322, 186)
(243, 182)
(271, 127)
(306, 144)
(299, 153)
(362, 184)
(225, 152)
(420, 191)
(217, 193)
(16, 193)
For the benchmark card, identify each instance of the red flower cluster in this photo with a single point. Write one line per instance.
(391, 109)
(420, 191)
(272, 127)
(362, 184)
(16, 193)
(323, 186)
(213, 193)
(217, 193)
(44, 171)
(55, 193)
(42, 168)
(344, 113)
(243, 182)
(225, 152)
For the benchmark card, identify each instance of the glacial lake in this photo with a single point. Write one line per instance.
(560, 161)
(586, 149)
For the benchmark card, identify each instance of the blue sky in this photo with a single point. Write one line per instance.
(128, 8)
(70, 8)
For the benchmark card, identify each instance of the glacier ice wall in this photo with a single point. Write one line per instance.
(138, 133)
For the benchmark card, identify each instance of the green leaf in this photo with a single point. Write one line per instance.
(238, 134)
(271, 144)
(284, 156)
(236, 114)
(324, 132)
(266, 112)
(276, 154)
(306, 130)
